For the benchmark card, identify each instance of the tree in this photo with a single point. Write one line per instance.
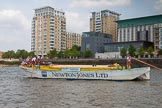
(52, 54)
(160, 52)
(150, 51)
(132, 50)
(22, 54)
(75, 47)
(74, 53)
(81, 54)
(123, 52)
(60, 54)
(31, 54)
(67, 53)
(9, 54)
(88, 54)
(141, 51)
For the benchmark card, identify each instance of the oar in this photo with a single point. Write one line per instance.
(146, 63)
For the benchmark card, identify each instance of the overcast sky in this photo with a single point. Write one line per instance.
(16, 16)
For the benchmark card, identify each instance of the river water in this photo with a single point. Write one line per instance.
(18, 91)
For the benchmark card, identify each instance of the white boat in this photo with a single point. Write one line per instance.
(103, 72)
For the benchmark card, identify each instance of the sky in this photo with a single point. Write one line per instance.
(16, 16)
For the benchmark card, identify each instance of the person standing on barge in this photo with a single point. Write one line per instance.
(129, 61)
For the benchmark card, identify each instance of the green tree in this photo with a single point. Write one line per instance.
(81, 54)
(150, 51)
(31, 54)
(132, 50)
(141, 51)
(9, 54)
(61, 54)
(22, 54)
(67, 53)
(88, 54)
(75, 50)
(52, 54)
(75, 47)
(75, 53)
(160, 52)
(123, 52)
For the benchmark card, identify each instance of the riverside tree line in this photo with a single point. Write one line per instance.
(139, 51)
(74, 52)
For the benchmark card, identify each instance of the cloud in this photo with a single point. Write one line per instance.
(98, 3)
(158, 6)
(77, 22)
(13, 19)
(14, 30)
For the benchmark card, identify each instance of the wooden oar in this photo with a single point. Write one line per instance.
(146, 63)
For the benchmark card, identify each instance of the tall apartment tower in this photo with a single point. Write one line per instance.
(48, 30)
(105, 22)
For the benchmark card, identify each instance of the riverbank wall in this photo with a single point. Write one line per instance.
(9, 63)
(153, 61)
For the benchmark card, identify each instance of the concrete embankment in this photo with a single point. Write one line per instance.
(2, 65)
(9, 63)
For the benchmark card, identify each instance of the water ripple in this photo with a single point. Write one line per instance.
(17, 91)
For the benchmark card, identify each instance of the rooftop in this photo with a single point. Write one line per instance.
(91, 34)
(147, 20)
(106, 10)
(44, 7)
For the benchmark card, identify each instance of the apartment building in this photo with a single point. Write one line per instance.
(105, 22)
(48, 30)
(147, 28)
(73, 39)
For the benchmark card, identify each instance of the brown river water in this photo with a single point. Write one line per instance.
(18, 91)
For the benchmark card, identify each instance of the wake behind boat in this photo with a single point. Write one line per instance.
(104, 72)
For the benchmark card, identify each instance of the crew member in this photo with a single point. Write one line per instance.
(129, 61)
(34, 60)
